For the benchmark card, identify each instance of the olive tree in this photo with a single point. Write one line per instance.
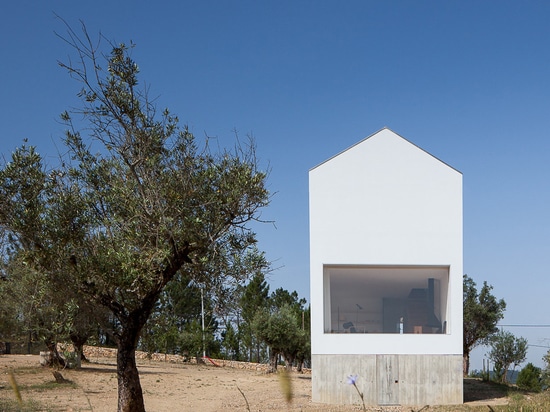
(282, 326)
(506, 350)
(45, 309)
(138, 200)
(482, 311)
(279, 330)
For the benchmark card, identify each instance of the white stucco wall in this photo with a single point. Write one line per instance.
(385, 201)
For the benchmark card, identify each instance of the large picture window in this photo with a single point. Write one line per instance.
(386, 299)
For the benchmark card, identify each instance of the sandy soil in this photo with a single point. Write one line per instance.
(169, 387)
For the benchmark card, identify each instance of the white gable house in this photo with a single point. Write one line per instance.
(386, 275)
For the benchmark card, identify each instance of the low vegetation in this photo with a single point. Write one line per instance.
(528, 402)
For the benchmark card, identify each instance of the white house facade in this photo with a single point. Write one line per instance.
(386, 275)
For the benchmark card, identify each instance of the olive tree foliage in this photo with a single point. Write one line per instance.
(8, 314)
(506, 351)
(282, 326)
(482, 311)
(279, 331)
(298, 348)
(41, 305)
(22, 181)
(137, 201)
(42, 312)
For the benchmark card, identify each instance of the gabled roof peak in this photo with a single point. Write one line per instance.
(385, 128)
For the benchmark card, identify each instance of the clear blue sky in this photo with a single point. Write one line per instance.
(468, 81)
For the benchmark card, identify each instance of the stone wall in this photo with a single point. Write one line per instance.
(96, 352)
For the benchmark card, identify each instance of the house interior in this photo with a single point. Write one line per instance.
(386, 299)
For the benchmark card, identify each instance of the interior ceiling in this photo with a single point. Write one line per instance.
(387, 281)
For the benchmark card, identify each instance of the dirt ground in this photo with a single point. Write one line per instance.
(176, 387)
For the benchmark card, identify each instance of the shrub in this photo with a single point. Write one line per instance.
(529, 378)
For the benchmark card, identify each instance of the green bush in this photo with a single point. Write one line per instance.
(529, 378)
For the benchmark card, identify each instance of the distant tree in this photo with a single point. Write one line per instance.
(11, 327)
(529, 378)
(230, 342)
(40, 223)
(47, 309)
(546, 370)
(84, 323)
(179, 304)
(299, 349)
(228, 304)
(134, 205)
(506, 350)
(280, 331)
(23, 181)
(482, 311)
(283, 325)
(254, 298)
(303, 357)
(192, 340)
(44, 314)
(281, 297)
(162, 331)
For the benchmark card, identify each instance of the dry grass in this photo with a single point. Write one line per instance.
(169, 387)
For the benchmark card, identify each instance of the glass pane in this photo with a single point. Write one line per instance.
(403, 299)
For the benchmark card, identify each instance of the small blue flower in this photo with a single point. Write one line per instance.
(352, 379)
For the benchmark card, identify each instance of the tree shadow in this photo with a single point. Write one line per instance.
(476, 390)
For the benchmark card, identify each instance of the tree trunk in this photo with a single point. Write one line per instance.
(78, 345)
(504, 378)
(273, 356)
(55, 359)
(130, 395)
(79, 355)
(289, 361)
(465, 363)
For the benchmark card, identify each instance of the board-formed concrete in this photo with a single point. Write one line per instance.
(388, 379)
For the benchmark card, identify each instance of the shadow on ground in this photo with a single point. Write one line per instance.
(476, 390)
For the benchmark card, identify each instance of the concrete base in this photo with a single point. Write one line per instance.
(388, 379)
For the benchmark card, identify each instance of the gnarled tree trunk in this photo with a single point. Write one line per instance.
(273, 361)
(289, 361)
(130, 395)
(78, 345)
(53, 358)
